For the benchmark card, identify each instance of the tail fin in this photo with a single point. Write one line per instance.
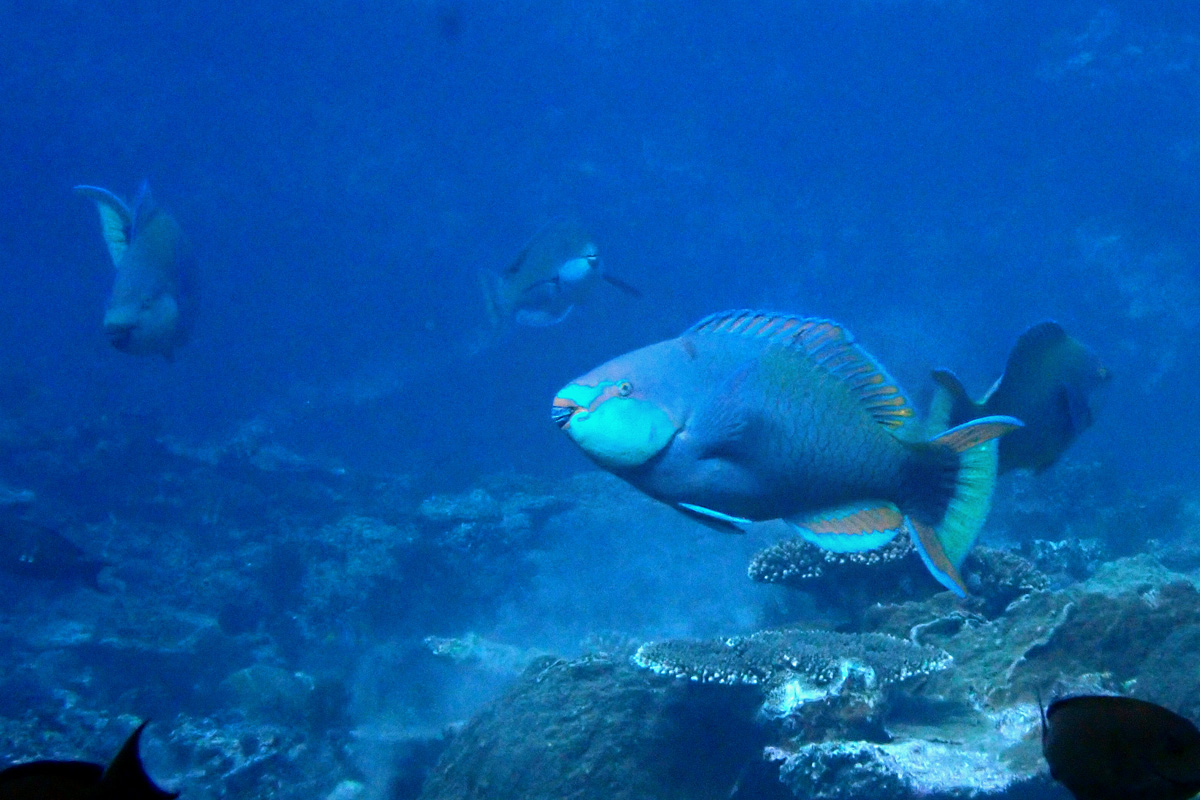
(116, 219)
(950, 405)
(497, 314)
(946, 528)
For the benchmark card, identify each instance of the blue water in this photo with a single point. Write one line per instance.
(937, 175)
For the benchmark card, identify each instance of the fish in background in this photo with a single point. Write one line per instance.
(34, 551)
(124, 778)
(1048, 383)
(1119, 748)
(551, 275)
(749, 416)
(151, 308)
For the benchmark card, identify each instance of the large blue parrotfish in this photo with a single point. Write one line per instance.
(554, 272)
(151, 308)
(1049, 383)
(752, 416)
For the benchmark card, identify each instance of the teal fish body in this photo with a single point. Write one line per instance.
(553, 273)
(151, 307)
(1049, 382)
(750, 416)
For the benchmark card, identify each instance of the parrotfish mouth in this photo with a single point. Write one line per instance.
(562, 412)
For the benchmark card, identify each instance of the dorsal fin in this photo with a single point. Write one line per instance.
(828, 345)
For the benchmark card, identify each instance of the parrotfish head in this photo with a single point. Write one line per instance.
(582, 268)
(142, 323)
(616, 426)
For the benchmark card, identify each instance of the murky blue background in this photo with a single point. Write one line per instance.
(938, 175)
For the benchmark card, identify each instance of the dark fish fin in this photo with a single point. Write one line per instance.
(944, 538)
(950, 405)
(827, 344)
(116, 219)
(852, 528)
(1033, 348)
(126, 777)
(722, 523)
(612, 280)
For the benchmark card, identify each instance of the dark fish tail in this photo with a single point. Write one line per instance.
(1048, 383)
(947, 494)
(951, 405)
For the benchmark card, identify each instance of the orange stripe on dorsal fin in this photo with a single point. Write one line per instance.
(827, 344)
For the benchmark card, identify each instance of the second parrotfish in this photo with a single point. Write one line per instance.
(753, 416)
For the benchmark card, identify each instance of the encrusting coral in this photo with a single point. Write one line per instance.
(892, 573)
(812, 678)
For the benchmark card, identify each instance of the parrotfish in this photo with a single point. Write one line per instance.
(1119, 748)
(551, 275)
(123, 779)
(1048, 383)
(151, 308)
(751, 416)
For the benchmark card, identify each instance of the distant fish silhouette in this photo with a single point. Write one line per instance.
(552, 274)
(1118, 748)
(35, 551)
(151, 307)
(124, 779)
(1048, 384)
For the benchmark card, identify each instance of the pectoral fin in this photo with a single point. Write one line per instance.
(852, 528)
(725, 424)
(116, 220)
(714, 519)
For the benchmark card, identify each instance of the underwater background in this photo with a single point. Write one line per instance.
(334, 469)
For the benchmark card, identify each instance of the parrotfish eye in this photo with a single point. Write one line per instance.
(624, 388)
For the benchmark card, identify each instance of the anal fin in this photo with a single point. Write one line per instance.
(929, 546)
(851, 528)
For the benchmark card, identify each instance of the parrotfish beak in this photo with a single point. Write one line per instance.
(562, 411)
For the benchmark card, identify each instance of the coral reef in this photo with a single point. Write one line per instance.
(816, 658)
(827, 684)
(284, 622)
(850, 582)
(597, 728)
